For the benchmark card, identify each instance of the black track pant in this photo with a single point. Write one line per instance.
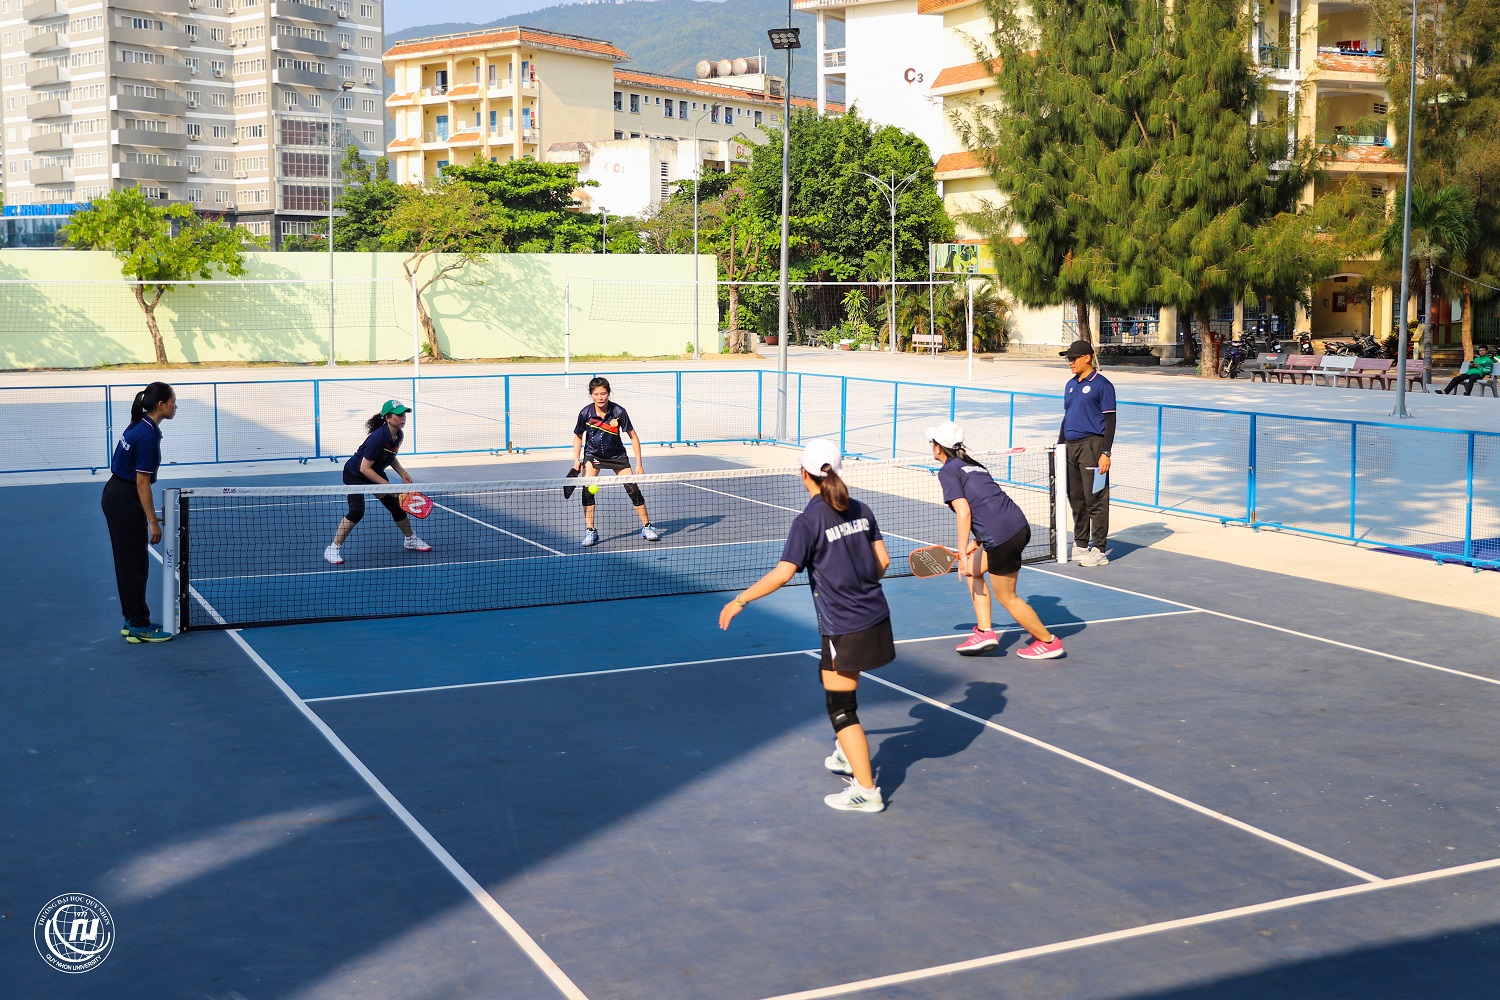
(1090, 510)
(128, 536)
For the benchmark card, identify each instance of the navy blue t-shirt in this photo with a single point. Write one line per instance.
(603, 436)
(1085, 402)
(995, 515)
(837, 550)
(138, 450)
(380, 448)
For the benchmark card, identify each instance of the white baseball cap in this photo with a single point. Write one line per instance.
(948, 434)
(818, 453)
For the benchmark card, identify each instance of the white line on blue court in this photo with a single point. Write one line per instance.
(1144, 930)
(1277, 628)
(496, 527)
(699, 663)
(480, 894)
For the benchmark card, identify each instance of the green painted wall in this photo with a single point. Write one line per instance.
(71, 309)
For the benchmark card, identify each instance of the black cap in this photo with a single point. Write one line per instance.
(1077, 349)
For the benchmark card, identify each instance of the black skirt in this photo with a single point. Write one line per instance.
(863, 650)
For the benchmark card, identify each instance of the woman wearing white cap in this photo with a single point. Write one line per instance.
(838, 542)
(992, 537)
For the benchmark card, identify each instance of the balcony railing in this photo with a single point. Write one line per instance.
(1337, 138)
(435, 91)
(834, 58)
(1276, 56)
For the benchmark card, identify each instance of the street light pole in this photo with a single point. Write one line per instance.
(604, 231)
(891, 189)
(1400, 310)
(697, 169)
(784, 38)
(333, 147)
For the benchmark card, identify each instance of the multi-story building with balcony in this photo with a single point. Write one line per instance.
(505, 93)
(1323, 71)
(238, 108)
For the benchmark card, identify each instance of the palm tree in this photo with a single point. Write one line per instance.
(1443, 225)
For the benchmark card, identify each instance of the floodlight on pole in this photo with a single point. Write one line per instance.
(891, 189)
(697, 169)
(1400, 310)
(333, 146)
(784, 38)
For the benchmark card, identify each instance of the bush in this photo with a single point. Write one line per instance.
(1124, 350)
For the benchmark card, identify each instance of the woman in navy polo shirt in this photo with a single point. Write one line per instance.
(368, 465)
(992, 537)
(838, 542)
(131, 513)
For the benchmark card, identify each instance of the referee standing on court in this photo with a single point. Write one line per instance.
(131, 513)
(1088, 429)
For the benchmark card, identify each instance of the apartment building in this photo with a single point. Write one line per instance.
(238, 108)
(511, 92)
(1319, 58)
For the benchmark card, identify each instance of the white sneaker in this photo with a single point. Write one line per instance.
(856, 799)
(333, 555)
(837, 762)
(417, 545)
(1080, 552)
(1094, 557)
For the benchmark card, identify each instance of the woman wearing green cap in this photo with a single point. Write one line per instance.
(368, 465)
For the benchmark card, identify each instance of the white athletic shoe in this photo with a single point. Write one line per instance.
(417, 545)
(837, 762)
(856, 799)
(1080, 553)
(649, 532)
(1094, 557)
(333, 555)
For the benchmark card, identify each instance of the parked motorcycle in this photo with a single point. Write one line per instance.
(1366, 346)
(1304, 343)
(1235, 354)
(1338, 348)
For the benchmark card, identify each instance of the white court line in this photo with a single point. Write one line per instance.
(517, 933)
(496, 527)
(1144, 930)
(692, 663)
(1136, 782)
(1277, 628)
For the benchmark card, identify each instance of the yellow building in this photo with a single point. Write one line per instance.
(499, 94)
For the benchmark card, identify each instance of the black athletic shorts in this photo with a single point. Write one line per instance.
(863, 650)
(620, 464)
(1005, 558)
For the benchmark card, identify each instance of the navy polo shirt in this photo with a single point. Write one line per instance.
(603, 437)
(380, 448)
(837, 550)
(1085, 402)
(995, 515)
(138, 450)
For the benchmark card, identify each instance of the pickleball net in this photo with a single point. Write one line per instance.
(247, 555)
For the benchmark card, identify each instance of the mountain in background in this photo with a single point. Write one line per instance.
(671, 36)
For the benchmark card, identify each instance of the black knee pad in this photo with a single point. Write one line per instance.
(588, 497)
(356, 513)
(634, 493)
(842, 707)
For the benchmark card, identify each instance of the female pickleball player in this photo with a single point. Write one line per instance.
(992, 536)
(838, 542)
(598, 444)
(368, 465)
(131, 513)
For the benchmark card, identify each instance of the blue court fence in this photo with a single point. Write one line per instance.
(1429, 491)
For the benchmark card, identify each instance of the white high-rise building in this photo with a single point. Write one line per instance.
(238, 108)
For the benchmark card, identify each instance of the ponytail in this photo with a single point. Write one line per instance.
(378, 420)
(958, 452)
(835, 494)
(149, 399)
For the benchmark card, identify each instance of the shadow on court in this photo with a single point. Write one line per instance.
(936, 733)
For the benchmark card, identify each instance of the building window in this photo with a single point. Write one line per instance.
(618, 135)
(663, 166)
(728, 116)
(667, 112)
(757, 119)
(713, 114)
(635, 104)
(619, 101)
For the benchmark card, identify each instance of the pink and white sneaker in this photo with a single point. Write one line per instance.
(979, 642)
(1039, 650)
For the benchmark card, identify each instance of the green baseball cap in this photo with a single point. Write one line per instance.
(391, 406)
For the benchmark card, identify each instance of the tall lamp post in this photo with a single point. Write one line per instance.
(784, 38)
(604, 230)
(891, 189)
(697, 169)
(1400, 310)
(333, 152)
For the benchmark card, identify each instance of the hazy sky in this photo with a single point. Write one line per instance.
(401, 14)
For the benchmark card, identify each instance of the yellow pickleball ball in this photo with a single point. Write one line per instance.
(593, 489)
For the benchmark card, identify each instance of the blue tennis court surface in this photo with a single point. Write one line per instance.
(1214, 794)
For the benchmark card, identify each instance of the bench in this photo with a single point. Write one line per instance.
(932, 340)
(1261, 366)
(1332, 368)
(1297, 366)
(1416, 368)
(1488, 383)
(1370, 372)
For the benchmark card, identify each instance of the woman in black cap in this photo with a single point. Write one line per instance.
(368, 465)
(131, 513)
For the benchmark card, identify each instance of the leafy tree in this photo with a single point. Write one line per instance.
(157, 246)
(368, 200)
(1443, 227)
(446, 218)
(536, 202)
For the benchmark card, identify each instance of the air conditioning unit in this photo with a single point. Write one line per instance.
(192, 104)
(242, 175)
(192, 169)
(229, 8)
(345, 45)
(233, 43)
(235, 141)
(218, 72)
(193, 70)
(193, 4)
(195, 138)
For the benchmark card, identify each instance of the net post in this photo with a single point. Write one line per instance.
(1250, 499)
(171, 620)
(507, 412)
(953, 404)
(679, 407)
(895, 414)
(317, 419)
(414, 449)
(843, 411)
(1469, 502)
(1353, 476)
(216, 423)
(1156, 496)
(760, 405)
(1062, 543)
(109, 426)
